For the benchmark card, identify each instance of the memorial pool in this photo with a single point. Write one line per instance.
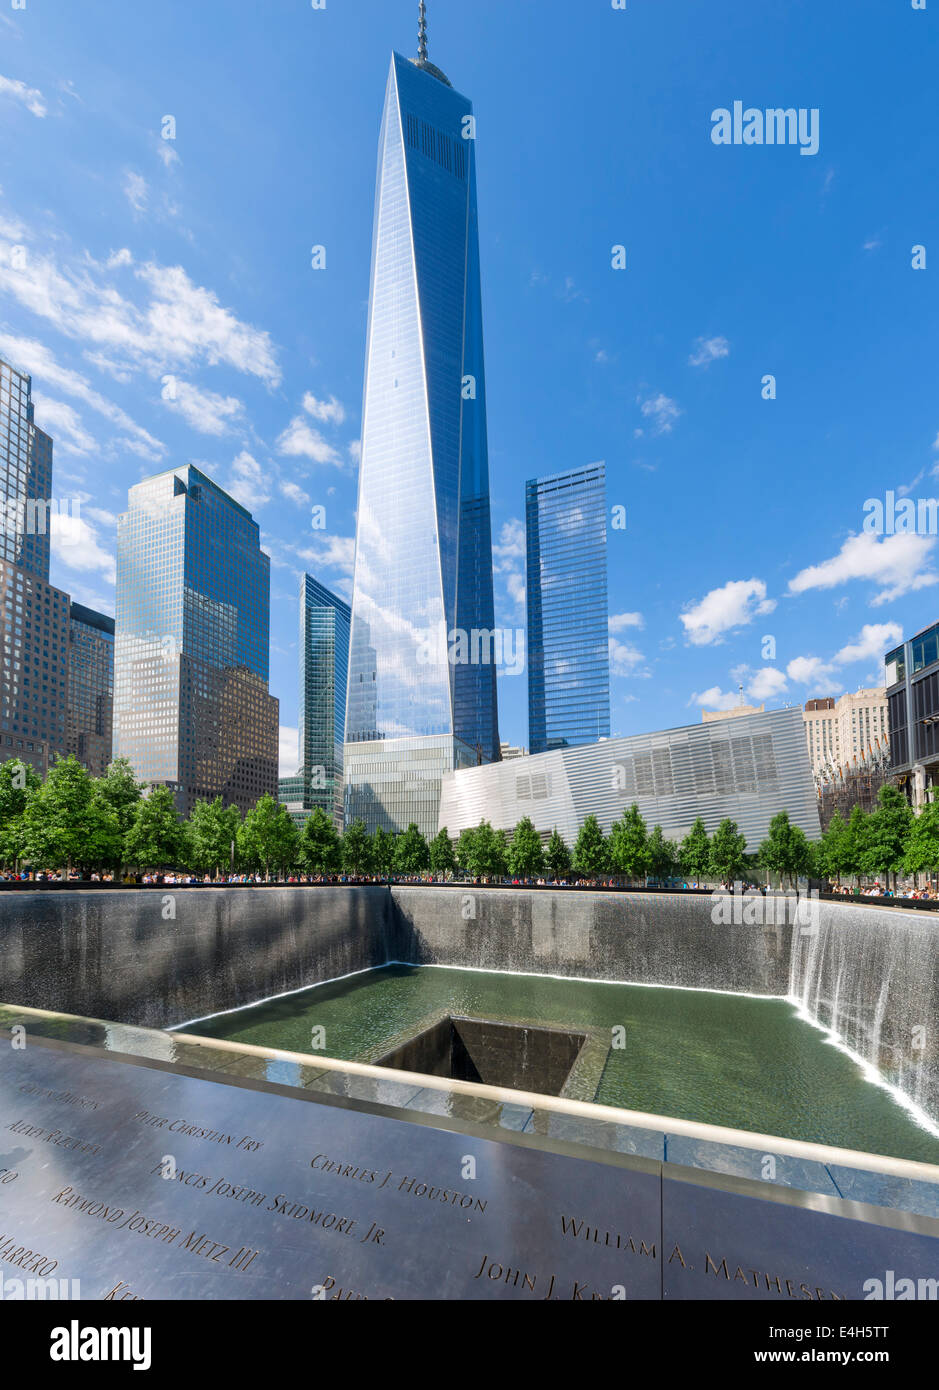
(735, 1060)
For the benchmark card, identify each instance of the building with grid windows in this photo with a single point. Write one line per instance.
(423, 561)
(746, 770)
(324, 671)
(912, 690)
(568, 619)
(90, 688)
(191, 704)
(34, 671)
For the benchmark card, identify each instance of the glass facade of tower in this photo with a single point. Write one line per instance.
(324, 673)
(90, 687)
(423, 566)
(34, 671)
(568, 620)
(191, 704)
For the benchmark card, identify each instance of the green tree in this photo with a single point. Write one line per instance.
(728, 852)
(18, 782)
(356, 848)
(411, 853)
(489, 852)
(119, 793)
(383, 851)
(888, 826)
(268, 838)
(858, 822)
(662, 854)
(442, 859)
(212, 829)
(590, 851)
(525, 855)
(64, 823)
(628, 849)
(694, 854)
(319, 844)
(156, 838)
(557, 857)
(785, 851)
(921, 853)
(466, 852)
(834, 855)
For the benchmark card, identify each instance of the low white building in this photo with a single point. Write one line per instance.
(747, 769)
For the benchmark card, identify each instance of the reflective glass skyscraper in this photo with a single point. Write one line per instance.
(192, 632)
(568, 619)
(324, 671)
(423, 564)
(34, 670)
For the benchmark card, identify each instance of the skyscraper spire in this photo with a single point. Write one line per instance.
(422, 34)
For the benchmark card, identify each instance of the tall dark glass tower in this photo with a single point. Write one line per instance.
(324, 670)
(191, 704)
(423, 564)
(34, 673)
(568, 620)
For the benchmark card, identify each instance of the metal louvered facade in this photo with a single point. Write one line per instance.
(747, 770)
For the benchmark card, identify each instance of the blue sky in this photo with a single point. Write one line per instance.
(126, 258)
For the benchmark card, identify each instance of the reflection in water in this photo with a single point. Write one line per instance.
(721, 1059)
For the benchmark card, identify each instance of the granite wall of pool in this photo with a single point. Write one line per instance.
(160, 958)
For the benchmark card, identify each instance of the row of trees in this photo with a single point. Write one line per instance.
(73, 821)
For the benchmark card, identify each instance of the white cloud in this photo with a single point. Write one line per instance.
(75, 545)
(899, 564)
(204, 410)
(180, 323)
(766, 684)
(31, 97)
(620, 621)
(662, 411)
(708, 350)
(330, 552)
(119, 258)
(330, 412)
(167, 154)
(136, 191)
(295, 494)
(734, 605)
(289, 750)
(248, 483)
(625, 659)
(811, 670)
(36, 358)
(64, 424)
(875, 640)
(715, 699)
(302, 440)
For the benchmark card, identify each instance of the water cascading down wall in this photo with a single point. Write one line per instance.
(160, 958)
(872, 977)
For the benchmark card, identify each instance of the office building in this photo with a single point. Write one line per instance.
(34, 671)
(746, 771)
(846, 732)
(418, 705)
(911, 678)
(324, 670)
(191, 704)
(90, 688)
(568, 617)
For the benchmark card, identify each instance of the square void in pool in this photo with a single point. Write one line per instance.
(514, 1055)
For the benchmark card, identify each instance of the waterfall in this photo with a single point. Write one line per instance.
(872, 979)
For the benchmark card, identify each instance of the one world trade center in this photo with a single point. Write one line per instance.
(422, 674)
